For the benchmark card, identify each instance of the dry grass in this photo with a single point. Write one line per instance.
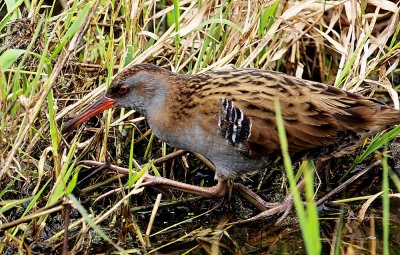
(70, 59)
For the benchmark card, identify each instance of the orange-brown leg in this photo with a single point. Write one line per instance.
(220, 190)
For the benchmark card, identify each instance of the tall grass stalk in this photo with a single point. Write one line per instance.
(308, 215)
(386, 205)
(177, 13)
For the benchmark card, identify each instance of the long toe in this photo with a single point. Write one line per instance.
(253, 198)
(281, 208)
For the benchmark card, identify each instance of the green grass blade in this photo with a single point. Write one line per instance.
(72, 30)
(13, 12)
(395, 179)
(149, 145)
(379, 141)
(386, 206)
(10, 204)
(350, 62)
(54, 134)
(9, 57)
(177, 14)
(395, 36)
(92, 224)
(313, 246)
(339, 240)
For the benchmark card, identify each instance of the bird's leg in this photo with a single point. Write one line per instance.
(274, 208)
(218, 191)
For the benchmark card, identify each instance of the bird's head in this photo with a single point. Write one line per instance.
(141, 87)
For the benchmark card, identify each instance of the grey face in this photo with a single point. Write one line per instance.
(141, 87)
(141, 91)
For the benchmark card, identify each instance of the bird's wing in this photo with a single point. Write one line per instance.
(316, 116)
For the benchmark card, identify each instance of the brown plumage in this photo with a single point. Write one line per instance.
(315, 115)
(228, 116)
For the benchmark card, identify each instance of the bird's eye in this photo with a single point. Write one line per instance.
(123, 90)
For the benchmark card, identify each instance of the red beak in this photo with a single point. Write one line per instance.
(99, 106)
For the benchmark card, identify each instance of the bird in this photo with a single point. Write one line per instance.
(228, 116)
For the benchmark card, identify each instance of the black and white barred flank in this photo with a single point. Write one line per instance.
(233, 124)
